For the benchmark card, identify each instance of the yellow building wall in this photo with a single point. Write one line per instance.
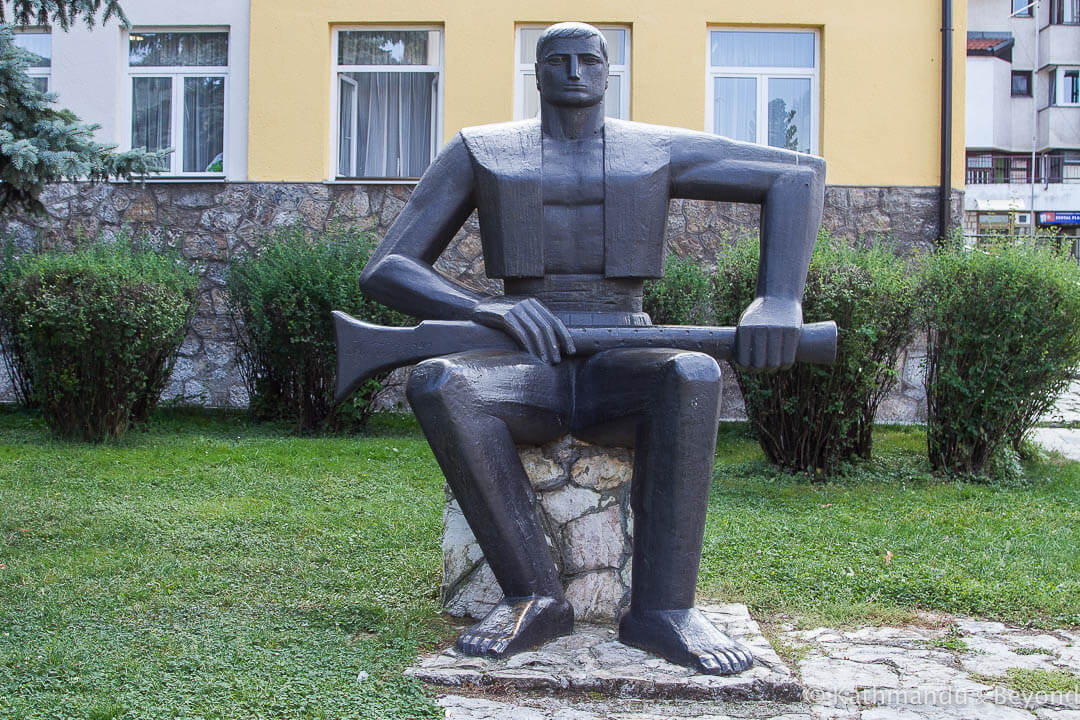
(880, 73)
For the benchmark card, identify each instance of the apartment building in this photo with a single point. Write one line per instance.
(1023, 117)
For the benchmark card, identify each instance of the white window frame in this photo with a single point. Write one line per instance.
(38, 72)
(620, 70)
(177, 73)
(762, 75)
(1058, 78)
(335, 109)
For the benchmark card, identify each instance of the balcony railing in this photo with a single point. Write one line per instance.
(989, 169)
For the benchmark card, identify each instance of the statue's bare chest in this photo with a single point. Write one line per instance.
(573, 192)
(573, 172)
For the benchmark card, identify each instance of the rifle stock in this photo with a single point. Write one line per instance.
(365, 349)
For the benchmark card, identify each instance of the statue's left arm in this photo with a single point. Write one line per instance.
(790, 187)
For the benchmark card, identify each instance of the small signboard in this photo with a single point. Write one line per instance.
(1059, 218)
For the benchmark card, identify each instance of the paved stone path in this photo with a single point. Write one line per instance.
(955, 672)
(918, 674)
(1064, 440)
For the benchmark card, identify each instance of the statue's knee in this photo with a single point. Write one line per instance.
(693, 367)
(431, 383)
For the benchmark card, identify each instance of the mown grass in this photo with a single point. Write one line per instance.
(888, 539)
(213, 568)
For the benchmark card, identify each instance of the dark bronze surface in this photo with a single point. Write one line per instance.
(572, 209)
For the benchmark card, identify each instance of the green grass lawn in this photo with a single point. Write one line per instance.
(213, 568)
(889, 539)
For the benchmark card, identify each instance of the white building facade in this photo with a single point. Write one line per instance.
(1023, 117)
(177, 79)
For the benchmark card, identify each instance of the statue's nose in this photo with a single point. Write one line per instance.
(574, 70)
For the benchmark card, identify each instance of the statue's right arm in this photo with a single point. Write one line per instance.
(400, 273)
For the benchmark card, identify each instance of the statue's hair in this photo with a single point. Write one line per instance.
(569, 30)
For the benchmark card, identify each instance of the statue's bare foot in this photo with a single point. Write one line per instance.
(685, 637)
(517, 624)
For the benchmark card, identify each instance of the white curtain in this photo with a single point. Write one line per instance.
(735, 108)
(394, 115)
(739, 48)
(178, 48)
(204, 123)
(151, 113)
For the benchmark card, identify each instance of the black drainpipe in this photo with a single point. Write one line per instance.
(945, 191)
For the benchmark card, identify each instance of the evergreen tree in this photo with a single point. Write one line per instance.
(60, 12)
(40, 143)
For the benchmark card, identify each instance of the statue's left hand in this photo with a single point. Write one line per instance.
(767, 335)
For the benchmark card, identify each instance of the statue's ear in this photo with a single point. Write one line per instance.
(536, 73)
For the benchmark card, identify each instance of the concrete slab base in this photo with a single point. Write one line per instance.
(592, 660)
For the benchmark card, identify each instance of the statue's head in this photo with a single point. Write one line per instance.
(571, 65)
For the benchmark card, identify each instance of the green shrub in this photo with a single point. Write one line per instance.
(1003, 325)
(93, 334)
(810, 417)
(682, 297)
(282, 299)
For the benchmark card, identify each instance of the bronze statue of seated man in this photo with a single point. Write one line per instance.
(572, 209)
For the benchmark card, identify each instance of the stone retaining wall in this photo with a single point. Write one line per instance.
(212, 222)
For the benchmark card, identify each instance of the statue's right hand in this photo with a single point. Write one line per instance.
(529, 323)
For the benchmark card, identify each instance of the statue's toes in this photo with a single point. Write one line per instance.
(469, 643)
(724, 660)
(487, 644)
(500, 647)
(734, 659)
(709, 664)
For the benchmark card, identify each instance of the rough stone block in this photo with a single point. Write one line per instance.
(583, 496)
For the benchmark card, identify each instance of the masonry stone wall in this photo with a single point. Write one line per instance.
(210, 223)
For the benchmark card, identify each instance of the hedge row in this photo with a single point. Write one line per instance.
(91, 336)
(1003, 328)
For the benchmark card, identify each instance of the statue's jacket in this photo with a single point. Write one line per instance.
(507, 161)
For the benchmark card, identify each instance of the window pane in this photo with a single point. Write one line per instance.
(204, 124)
(395, 113)
(41, 82)
(616, 46)
(384, 47)
(1021, 83)
(151, 113)
(38, 44)
(531, 105)
(529, 36)
(732, 48)
(1072, 86)
(200, 49)
(735, 108)
(1019, 8)
(613, 97)
(789, 113)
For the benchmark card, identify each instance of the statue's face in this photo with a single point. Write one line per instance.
(572, 72)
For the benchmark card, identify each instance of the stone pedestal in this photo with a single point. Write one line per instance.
(583, 498)
(593, 663)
